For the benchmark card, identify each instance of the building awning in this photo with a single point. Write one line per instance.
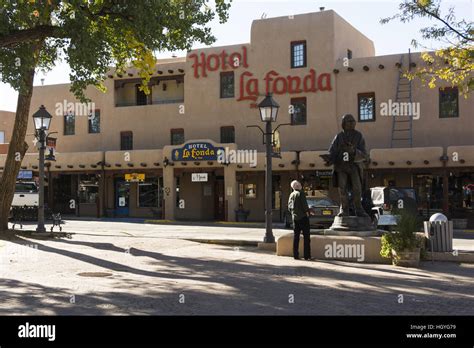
(283, 163)
(311, 160)
(460, 156)
(131, 159)
(65, 161)
(29, 162)
(415, 157)
(76, 161)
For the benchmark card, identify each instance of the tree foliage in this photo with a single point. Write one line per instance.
(454, 63)
(91, 36)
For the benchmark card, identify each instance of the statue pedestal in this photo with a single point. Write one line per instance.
(352, 226)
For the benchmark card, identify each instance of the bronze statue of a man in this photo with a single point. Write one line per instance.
(347, 153)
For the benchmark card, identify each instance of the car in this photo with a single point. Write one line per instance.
(24, 205)
(324, 210)
(386, 200)
(26, 194)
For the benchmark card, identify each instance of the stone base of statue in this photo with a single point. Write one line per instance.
(352, 226)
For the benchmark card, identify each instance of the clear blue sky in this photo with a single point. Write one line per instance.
(364, 15)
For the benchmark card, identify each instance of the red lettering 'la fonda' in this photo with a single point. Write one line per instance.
(277, 84)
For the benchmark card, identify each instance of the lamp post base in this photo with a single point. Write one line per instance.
(40, 229)
(269, 239)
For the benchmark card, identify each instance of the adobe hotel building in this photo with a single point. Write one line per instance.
(316, 62)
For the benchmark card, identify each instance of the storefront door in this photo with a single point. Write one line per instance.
(219, 212)
(122, 198)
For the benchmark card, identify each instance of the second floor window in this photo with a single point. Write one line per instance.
(298, 108)
(448, 102)
(366, 106)
(69, 124)
(140, 96)
(126, 141)
(227, 134)
(177, 136)
(227, 84)
(2, 137)
(94, 122)
(298, 54)
(349, 54)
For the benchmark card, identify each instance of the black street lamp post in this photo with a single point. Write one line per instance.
(42, 119)
(268, 113)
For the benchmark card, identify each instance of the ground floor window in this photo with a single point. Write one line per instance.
(317, 183)
(150, 193)
(88, 188)
(250, 191)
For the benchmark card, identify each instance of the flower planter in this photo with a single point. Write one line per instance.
(406, 258)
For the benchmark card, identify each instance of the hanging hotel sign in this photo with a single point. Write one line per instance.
(199, 177)
(135, 177)
(196, 152)
(249, 85)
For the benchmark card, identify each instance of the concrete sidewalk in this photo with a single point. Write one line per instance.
(245, 234)
(111, 269)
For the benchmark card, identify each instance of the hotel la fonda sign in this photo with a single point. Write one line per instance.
(250, 87)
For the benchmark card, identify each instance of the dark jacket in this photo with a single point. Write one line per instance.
(297, 205)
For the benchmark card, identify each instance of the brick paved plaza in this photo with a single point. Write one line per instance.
(154, 269)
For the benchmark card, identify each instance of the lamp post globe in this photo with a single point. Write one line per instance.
(42, 119)
(268, 109)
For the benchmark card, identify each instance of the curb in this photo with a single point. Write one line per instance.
(210, 224)
(228, 242)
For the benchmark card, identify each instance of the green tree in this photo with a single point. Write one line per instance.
(454, 63)
(91, 36)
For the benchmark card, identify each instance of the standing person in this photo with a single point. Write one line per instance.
(298, 207)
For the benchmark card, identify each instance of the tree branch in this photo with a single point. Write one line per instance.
(21, 36)
(434, 15)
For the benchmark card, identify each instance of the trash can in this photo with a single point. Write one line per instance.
(440, 233)
(241, 215)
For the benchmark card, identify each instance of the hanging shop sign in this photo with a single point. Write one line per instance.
(196, 152)
(50, 149)
(324, 173)
(135, 177)
(199, 177)
(250, 87)
(276, 144)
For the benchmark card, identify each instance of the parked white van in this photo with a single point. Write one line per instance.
(26, 194)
